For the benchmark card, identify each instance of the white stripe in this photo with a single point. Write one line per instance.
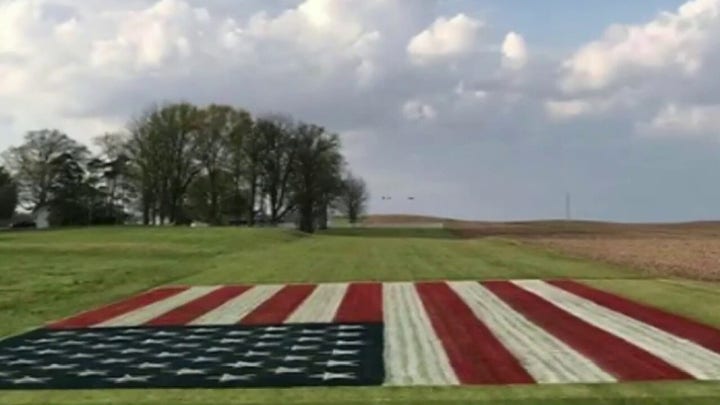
(321, 305)
(692, 358)
(414, 354)
(233, 311)
(545, 357)
(152, 311)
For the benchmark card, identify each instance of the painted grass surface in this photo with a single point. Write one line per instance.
(49, 275)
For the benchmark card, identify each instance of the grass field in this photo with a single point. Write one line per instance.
(49, 275)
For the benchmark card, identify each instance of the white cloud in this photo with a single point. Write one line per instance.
(684, 120)
(514, 51)
(445, 37)
(415, 110)
(678, 42)
(564, 109)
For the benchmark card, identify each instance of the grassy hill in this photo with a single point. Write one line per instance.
(49, 275)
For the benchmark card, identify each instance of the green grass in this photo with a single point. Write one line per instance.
(49, 275)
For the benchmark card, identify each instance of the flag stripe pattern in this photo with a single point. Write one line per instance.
(351, 334)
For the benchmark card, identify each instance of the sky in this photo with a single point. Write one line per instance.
(479, 109)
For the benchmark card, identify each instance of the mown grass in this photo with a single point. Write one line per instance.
(48, 275)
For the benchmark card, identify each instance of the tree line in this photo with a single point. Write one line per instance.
(179, 163)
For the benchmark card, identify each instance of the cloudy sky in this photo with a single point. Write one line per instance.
(479, 109)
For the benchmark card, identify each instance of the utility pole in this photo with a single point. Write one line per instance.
(568, 207)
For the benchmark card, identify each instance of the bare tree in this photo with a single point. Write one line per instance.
(316, 175)
(353, 198)
(31, 163)
(278, 144)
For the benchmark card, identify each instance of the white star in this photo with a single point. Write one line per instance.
(163, 333)
(239, 333)
(129, 378)
(48, 351)
(245, 364)
(289, 370)
(310, 339)
(45, 340)
(351, 327)
(90, 335)
(22, 348)
(335, 376)
(164, 355)
(252, 353)
(20, 362)
(101, 346)
(270, 336)
(114, 361)
(276, 328)
(152, 365)
(29, 380)
(338, 352)
(189, 371)
(312, 332)
(232, 377)
(119, 338)
(65, 333)
(349, 334)
(56, 366)
(203, 359)
(296, 358)
(88, 373)
(4, 357)
(4, 374)
(339, 363)
(154, 342)
(133, 331)
(230, 341)
(203, 330)
(267, 344)
(186, 345)
(82, 356)
(218, 349)
(303, 347)
(73, 343)
(349, 343)
(133, 350)
(195, 337)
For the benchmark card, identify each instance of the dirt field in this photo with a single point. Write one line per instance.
(683, 249)
(688, 250)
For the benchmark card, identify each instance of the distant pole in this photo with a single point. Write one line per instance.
(568, 202)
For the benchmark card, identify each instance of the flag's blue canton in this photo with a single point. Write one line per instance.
(194, 357)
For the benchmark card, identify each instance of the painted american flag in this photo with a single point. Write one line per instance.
(363, 334)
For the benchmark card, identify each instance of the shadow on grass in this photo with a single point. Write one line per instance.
(427, 233)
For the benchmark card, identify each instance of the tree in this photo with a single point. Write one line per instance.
(73, 196)
(163, 149)
(112, 169)
(32, 163)
(222, 127)
(278, 146)
(353, 198)
(8, 195)
(316, 175)
(237, 163)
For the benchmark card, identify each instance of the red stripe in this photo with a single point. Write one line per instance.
(618, 357)
(119, 308)
(279, 306)
(475, 354)
(703, 335)
(362, 303)
(193, 309)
